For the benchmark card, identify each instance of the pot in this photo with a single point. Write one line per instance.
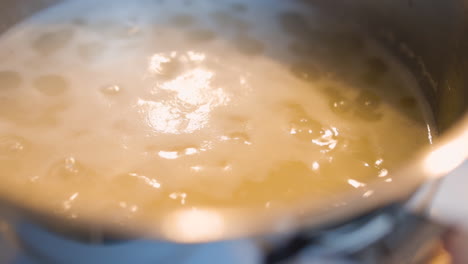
(429, 37)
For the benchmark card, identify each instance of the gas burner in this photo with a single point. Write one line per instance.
(389, 235)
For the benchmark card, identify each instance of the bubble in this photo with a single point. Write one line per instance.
(305, 71)
(51, 85)
(18, 112)
(356, 157)
(10, 80)
(340, 105)
(182, 20)
(111, 89)
(239, 7)
(368, 100)
(301, 125)
(51, 42)
(13, 146)
(361, 149)
(90, 51)
(306, 129)
(249, 46)
(201, 35)
(69, 169)
(367, 105)
(329, 139)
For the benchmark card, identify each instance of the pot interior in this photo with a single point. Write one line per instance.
(429, 38)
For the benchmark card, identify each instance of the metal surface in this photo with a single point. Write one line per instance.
(389, 235)
(430, 37)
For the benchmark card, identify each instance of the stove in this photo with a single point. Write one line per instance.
(389, 235)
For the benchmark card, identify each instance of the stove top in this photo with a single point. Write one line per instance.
(389, 235)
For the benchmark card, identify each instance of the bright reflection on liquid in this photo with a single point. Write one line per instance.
(168, 154)
(178, 196)
(156, 63)
(67, 204)
(328, 139)
(151, 182)
(196, 56)
(131, 208)
(193, 225)
(315, 166)
(368, 194)
(196, 168)
(192, 95)
(383, 173)
(356, 184)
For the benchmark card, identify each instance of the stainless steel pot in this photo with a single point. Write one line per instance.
(430, 37)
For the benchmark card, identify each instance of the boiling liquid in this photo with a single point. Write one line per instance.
(138, 108)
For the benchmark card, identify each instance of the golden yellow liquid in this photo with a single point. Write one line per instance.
(142, 108)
